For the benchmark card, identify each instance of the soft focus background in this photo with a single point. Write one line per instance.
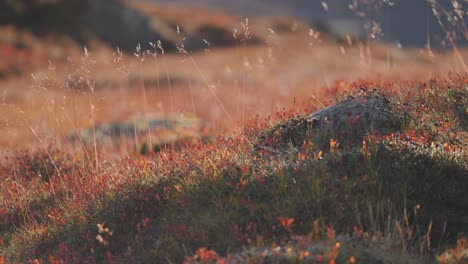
(67, 65)
(410, 23)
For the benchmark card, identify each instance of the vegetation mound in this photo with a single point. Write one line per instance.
(283, 194)
(348, 121)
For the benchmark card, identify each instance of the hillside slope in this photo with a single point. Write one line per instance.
(283, 193)
(399, 23)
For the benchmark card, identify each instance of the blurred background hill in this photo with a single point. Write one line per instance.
(409, 22)
(108, 20)
(38, 30)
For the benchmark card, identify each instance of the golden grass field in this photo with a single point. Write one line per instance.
(224, 86)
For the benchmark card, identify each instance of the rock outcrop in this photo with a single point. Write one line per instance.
(347, 122)
(356, 117)
(152, 132)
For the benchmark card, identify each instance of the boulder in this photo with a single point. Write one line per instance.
(155, 131)
(347, 122)
(355, 117)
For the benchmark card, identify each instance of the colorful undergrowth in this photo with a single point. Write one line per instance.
(253, 192)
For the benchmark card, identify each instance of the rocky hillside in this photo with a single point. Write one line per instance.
(34, 32)
(110, 21)
(399, 23)
(119, 24)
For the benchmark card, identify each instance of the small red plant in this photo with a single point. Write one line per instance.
(286, 222)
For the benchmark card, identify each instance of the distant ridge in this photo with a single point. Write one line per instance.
(408, 22)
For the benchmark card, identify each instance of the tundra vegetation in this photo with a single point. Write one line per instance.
(357, 170)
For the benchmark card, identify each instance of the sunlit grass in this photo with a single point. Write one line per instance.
(231, 194)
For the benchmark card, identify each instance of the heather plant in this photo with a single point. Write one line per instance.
(239, 199)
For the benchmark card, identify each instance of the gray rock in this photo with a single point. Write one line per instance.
(348, 121)
(159, 130)
(358, 117)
